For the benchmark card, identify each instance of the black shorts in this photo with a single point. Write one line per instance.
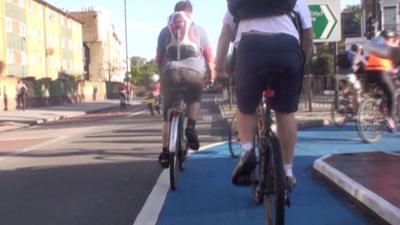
(190, 80)
(278, 52)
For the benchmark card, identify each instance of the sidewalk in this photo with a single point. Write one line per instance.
(13, 119)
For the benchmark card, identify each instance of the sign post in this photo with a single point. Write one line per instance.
(326, 22)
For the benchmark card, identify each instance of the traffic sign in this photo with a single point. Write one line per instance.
(326, 23)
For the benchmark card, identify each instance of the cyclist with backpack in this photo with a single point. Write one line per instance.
(184, 56)
(267, 37)
(379, 70)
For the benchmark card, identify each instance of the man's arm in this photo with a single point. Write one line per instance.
(161, 51)
(222, 48)
(307, 45)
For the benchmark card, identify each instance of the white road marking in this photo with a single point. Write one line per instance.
(148, 215)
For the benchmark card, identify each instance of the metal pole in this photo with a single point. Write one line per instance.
(126, 42)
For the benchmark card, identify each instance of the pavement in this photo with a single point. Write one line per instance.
(16, 119)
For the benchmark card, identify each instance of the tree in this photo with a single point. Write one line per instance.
(351, 21)
(141, 74)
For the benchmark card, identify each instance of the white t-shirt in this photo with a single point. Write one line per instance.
(275, 24)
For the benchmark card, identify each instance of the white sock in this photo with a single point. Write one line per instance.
(246, 147)
(288, 170)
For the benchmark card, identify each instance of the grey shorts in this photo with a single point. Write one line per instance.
(191, 81)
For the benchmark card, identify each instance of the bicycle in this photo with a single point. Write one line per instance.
(372, 114)
(268, 179)
(233, 138)
(342, 109)
(122, 101)
(177, 143)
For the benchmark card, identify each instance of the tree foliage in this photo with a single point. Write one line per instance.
(351, 20)
(141, 74)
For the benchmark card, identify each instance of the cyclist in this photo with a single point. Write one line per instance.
(348, 76)
(188, 71)
(379, 70)
(266, 41)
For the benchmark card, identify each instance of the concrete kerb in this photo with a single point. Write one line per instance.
(54, 118)
(374, 202)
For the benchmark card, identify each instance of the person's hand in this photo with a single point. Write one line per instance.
(221, 77)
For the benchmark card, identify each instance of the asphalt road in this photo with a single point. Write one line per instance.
(96, 169)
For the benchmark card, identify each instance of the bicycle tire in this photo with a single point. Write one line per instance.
(182, 146)
(369, 121)
(233, 142)
(274, 180)
(257, 184)
(173, 143)
(339, 113)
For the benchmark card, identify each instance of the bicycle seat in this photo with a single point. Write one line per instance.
(270, 73)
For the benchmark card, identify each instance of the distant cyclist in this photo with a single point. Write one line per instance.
(379, 70)
(185, 67)
(267, 37)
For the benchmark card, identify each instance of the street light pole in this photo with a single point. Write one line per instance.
(126, 42)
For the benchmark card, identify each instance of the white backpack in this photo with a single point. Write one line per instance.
(182, 42)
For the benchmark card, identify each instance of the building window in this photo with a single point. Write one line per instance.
(10, 56)
(9, 25)
(23, 58)
(389, 17)
(22, 29)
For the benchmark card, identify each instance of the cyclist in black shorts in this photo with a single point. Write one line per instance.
(264, 41)
(186, 71)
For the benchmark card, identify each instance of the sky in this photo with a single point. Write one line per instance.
(145, 19)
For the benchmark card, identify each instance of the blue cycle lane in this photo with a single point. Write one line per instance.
(205, 195)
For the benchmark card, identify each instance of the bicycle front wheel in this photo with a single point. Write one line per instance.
(233, 138)
(370, 121)
(274, 180)
(339, 113)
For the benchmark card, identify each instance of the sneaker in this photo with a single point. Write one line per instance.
(290, 183)
(242, 172)
(163, 159)
(391, 124)
(192, 139)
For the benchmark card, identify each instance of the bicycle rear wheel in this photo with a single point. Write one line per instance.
(274, 180)
(182, 143)
(233, 139)
(173, 148)
(257, 174)
(370, 121)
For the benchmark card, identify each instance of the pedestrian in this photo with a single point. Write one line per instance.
(22, 94)
(268, 35)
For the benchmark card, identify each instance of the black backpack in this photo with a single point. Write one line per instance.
(249, 9)
(344, 60)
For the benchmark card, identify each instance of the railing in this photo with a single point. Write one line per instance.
(391, 27)
(317, 93)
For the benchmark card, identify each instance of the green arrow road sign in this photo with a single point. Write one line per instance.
(323, 21)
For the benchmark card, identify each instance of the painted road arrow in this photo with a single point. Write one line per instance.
(323, 20)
